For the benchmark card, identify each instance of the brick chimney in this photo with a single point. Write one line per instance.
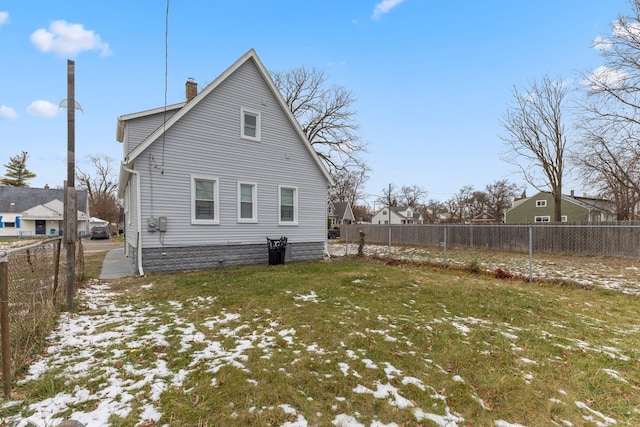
(191, 89)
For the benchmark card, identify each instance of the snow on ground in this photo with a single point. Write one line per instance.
(620, 274)
(88, 346)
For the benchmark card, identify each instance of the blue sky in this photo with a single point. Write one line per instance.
(431, 78)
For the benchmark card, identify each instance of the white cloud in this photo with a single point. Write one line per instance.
(383, 7)
(7, 112)
(42, 108)
(602, 44)
(4, 17)
(67, 39)
(605, 76)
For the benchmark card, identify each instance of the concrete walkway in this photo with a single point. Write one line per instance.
(116, 265)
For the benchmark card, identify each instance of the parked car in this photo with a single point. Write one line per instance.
(333, 233)
(100, 232)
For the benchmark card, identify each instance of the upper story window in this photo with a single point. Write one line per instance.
(250, 127)
(247, 202)
(543, 218)
(564, 218)
(204, 200)
(384, 212)
(288, 202)
(541, 203)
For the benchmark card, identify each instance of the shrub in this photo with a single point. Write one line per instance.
(474, 267)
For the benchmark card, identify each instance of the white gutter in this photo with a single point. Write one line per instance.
(138, 216)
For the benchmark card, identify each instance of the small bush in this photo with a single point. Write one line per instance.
(474, 267)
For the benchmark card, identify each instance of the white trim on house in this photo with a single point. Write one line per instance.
(541, 203)
(542, 218)
(246, 128)
(254, 202)
(215, 199)
(295, 205)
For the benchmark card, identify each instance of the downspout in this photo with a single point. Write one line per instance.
(138, 218)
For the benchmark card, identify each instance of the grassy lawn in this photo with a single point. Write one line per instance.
(347, 342)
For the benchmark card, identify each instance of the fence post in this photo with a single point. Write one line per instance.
(530, 254)
(445, 247)
(56, 267)
(389, 245)
(4, 323)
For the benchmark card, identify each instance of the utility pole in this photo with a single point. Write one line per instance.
(70, 197)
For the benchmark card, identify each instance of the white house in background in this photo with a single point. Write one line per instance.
(39, 212)
(397, 215)
(205, 182)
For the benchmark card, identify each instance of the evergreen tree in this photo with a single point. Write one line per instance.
(17, 173)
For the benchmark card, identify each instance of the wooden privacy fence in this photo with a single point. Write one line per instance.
(615, 240)
(32, 281)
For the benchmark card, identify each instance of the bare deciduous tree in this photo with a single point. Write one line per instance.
(536, 137)
(325, 114)
(609, 155)
(501, 196)
(348, 185)
(432, 211)
(412, 195)
(459, 205)
(101, 187)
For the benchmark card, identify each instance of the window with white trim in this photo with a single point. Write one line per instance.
(204, 200)
(288, 203)
(247, 202)
(250, 124)
(541, 203)
(544, 218)
(563, 218)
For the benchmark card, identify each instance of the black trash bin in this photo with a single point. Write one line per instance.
(277, 249)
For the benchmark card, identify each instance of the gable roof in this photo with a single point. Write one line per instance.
(340, 208)
(20, 199)
(251, 55)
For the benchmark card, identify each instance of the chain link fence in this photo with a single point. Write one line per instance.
(33, 283)
(615, 240)
(602, 255)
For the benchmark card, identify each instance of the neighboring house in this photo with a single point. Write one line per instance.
(397, 215)
(341, 213)
(228, 169)
(39, 212)
(540, 208)
(93, 222)
(484, 218)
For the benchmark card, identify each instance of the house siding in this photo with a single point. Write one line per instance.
(526, 211)
(144, 126)
(206, 141)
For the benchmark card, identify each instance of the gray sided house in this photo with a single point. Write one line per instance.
(340, 213)
(38, 212)
(207, 181)
(540, 207)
